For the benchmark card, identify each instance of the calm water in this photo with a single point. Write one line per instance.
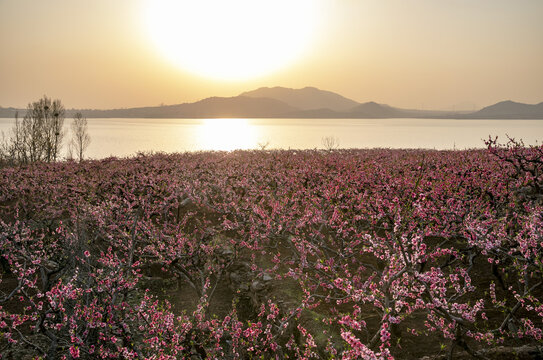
(124, 137)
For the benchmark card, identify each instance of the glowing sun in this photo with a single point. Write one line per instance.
(232, 39)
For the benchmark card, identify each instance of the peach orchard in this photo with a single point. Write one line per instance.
(381, 251)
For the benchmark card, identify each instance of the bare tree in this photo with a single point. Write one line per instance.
(263, 145)
(38, 136)
(80, 136)
(8, 148)
(330, 143)
(42, 130)
(6, 157)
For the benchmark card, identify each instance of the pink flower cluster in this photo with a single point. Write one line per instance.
(367, 243)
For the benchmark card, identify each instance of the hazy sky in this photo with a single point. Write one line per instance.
(432, 54)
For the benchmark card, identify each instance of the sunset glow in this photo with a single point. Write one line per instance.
(227, 134)
(426, 54)
(271, 179)
(231, 40)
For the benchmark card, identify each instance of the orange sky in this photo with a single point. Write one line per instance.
(431, 54)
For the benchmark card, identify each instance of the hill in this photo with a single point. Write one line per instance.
(308, 98)
(213, 107)
(308, 102)
(10, 112)
(373, 110)
(510, 110)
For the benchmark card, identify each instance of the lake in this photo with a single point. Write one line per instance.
(125, 137)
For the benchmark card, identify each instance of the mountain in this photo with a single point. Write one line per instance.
(315, 114)
(373, 110)
(308, 98)
(10, 112)
(213, 107)
(509, 110)
(309, 102)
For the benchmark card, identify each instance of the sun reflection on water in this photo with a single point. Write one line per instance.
(227, 134)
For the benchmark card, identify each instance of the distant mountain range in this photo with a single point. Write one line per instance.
(308, 98)
(309, 102)
(510, 110)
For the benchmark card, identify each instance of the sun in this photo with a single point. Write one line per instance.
(232, 39)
